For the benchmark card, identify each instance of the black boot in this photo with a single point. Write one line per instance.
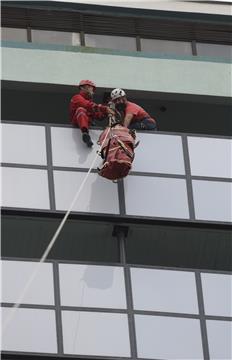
(87, 139)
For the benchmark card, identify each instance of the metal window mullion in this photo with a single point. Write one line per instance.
(58, 314)
(188, 178)
(121, 198)
(82, 32)
(51, 185)
(138, 43)
(205, 343)
(131, 316)
(194, 47)
(82, 38)
(29, 34)
(131, 321)
(137, 37)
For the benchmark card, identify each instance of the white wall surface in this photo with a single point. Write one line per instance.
(130, 72)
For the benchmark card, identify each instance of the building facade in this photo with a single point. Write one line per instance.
(141, 268)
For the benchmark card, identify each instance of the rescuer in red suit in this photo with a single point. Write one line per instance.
(83, 110)
(135, 117)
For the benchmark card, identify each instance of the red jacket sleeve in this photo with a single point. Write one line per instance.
(79, 101)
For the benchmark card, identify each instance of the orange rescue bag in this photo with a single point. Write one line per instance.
(117, 152)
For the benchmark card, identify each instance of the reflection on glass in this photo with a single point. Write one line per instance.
(156, 197)
(220, 339)
(29, 330)
(111, 42)
(55, 37)
(164, 290)
(92, 286)
(24, 137)
(212, 200)
(68, 150)
(99, 334)
(16, 274)
(25, 188)
(13, 34)
(99, 195)
(168, 338)
(166, 46)
(168, 154)
(217, 291)
(203, 163)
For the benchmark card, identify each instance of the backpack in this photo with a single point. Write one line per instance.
(118, 143)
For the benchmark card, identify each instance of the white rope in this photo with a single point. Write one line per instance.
(52, 242)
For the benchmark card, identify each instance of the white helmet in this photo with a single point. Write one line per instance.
(117, 93)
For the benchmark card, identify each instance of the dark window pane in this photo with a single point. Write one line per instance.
(179, 247)
(27, 237)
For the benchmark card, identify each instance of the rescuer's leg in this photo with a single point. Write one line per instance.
(82, 120)
(86, 137)
(144, 124)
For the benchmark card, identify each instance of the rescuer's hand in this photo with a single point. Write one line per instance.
(110, 111)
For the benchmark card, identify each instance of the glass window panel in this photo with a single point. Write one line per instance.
(214, 50)
(167, 150)
(15, 276)
(217, 291)
(220, 339)
(166, 46)
(210, 156)
(99, 195)
(168, 338)
(91, 333)
(23, 144)
(13, 34)
(92, 286)
(55, 37)
(164, 290)
(68, 149)
(160, 197)
(212, 200)
(111, 42)
(25, 188)
(29, 330)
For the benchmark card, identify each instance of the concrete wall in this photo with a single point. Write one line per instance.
(187, 76)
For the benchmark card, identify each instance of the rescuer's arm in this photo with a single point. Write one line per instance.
(92, 107)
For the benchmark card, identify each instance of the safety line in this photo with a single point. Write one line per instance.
(52, 242)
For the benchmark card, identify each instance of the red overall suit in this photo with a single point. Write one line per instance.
(83, 110)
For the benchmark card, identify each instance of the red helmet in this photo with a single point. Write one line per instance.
(87, 82)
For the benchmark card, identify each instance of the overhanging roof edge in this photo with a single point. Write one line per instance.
(119, 11)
